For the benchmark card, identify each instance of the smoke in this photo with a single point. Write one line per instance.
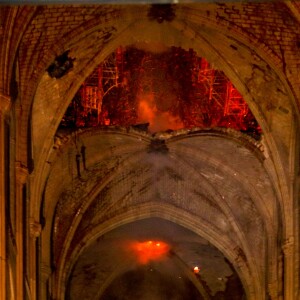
(158, 120)
(157, 96)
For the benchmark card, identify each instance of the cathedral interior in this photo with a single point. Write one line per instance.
(150, 150)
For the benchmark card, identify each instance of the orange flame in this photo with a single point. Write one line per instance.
(158, 120)
(149, 250)
(146, 111)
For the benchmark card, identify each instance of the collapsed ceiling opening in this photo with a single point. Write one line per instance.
(169, 89)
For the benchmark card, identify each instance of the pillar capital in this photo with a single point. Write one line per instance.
(35, 228)
(21, 172)
(5, 103)
(288, 246)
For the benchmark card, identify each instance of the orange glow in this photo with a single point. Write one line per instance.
(149, 250)
(169, 88)
(196, 270)
(158, 120)
(146, 111)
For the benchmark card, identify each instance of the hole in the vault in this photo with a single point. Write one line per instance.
(159, 89)
(61, 65)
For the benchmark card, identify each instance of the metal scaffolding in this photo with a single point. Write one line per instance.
(204, 95)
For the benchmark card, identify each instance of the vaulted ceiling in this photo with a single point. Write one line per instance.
(218, 198)
(188, 178)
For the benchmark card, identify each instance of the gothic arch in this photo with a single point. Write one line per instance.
(275, 140)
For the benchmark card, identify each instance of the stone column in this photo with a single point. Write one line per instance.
(44, 280)
(288, 251)
(273, 290)
(35, 231)
(4, 108)
(21, 177)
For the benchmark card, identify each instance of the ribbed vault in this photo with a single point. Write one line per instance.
(231, 190)
(248, 71)
(186, 177)
(71, 195)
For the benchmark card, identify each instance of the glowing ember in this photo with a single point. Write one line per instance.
(149, 250)
(196, 270)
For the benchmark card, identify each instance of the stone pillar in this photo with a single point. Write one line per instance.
(289, 278)
(4, 108)
(273, 290)
(280, 276)
(35, 231)
(44, 280)
(21, 177)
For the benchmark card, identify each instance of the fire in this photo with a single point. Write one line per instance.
(149, 250)
(169, 88)
(158, 120)
(146, 111)
(196, 270)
